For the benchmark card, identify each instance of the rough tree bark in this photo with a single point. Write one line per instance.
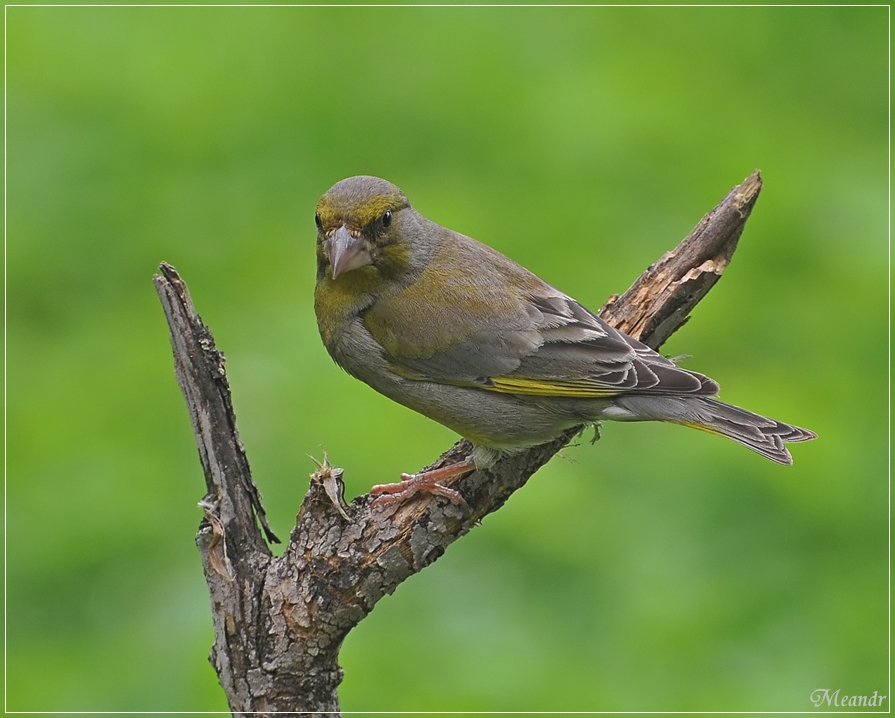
(279, 622)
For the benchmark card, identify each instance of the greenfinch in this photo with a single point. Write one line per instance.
(455, 330)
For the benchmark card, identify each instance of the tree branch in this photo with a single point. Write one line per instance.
(280, 622)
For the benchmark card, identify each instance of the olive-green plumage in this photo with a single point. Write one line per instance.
(456, 331)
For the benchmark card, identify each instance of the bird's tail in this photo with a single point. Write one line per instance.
(763, 435)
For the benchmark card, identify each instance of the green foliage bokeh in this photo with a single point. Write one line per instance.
(661, 569)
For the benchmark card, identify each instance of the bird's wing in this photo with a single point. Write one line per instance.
(582, 356)
(530, 339)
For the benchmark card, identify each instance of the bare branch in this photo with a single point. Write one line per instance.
(280, 622)
(660, 301)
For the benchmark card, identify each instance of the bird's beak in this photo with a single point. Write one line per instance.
(346, 252)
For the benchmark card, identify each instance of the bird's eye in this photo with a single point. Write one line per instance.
(387, 218)
(318, 222)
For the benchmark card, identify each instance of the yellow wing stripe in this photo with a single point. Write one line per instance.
(572, 388)
(549, 387)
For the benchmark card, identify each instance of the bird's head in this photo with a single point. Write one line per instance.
(359, 229)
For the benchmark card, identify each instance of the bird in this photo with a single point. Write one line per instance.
(455, 330)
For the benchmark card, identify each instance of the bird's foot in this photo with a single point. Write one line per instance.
(427, 481)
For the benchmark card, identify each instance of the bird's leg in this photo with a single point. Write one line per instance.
(426, 481)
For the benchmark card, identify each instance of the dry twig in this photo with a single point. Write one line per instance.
(279, 622)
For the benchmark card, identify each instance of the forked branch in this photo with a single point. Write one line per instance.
(280, 622)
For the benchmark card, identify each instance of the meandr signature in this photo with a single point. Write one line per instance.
(832, 699)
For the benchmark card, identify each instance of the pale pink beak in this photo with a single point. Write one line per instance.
(346, 252)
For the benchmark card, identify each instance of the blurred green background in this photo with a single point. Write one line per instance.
(661, 569)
